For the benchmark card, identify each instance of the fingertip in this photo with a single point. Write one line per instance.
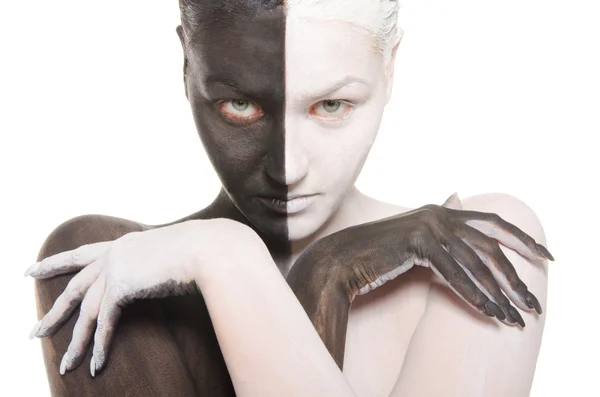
(29, 270)
(93, 366)
(35, 329)
(516, 316)
(533, 303)
(98, 355)
(543, 251)
(63, 364)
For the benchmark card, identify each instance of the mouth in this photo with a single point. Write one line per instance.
(289, 205)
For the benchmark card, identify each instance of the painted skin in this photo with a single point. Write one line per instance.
(254, 160)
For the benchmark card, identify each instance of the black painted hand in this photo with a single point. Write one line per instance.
(462, 247)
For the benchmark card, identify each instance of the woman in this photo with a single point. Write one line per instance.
(288, 138)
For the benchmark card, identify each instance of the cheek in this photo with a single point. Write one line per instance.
(231, 149)
(342, 153)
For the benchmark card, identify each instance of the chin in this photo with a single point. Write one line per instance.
(303, 225)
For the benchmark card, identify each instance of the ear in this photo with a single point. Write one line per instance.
(389, 75)
(185, 59)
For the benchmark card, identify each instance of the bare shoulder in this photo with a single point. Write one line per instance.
(495, 359)
(509, 208)
(86, 229)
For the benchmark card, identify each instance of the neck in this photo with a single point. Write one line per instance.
(285, 252)
(347, 214)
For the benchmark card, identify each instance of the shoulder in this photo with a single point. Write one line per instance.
(509, 208)
(86, 229)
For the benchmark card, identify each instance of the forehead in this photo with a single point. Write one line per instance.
(241, 47)
(258, 50)
(319, 51)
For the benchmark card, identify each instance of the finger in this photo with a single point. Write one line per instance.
(84, 327)
(453, 202)
(444, 265)
(482, 276)
(506, 233)
(503, 270)
(68, 261)
(110, 312)
(67, 301)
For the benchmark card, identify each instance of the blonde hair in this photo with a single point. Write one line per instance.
(378, 16)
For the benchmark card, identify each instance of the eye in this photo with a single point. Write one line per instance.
(240, 111)
(332, 109)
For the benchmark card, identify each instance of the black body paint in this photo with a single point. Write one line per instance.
(234, 51)
(238, 53)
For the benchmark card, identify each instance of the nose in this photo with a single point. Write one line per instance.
(296, 160)
(288, 162)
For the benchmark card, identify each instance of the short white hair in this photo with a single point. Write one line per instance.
(378, 16)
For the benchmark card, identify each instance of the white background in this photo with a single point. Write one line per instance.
(490, 96)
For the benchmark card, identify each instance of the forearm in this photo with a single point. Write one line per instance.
(268, 342)
(325, 292)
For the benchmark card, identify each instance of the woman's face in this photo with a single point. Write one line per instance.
(287, 110)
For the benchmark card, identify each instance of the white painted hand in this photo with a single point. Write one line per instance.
(161, 262)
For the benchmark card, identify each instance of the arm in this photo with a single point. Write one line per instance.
(462, 247)
(132, 371)
(270, 346)
(494, 360)
(268, 342)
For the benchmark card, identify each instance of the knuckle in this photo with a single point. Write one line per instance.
(86, 312)
(129, 236)
(77, 255)
(431, 207)
(494, 249)
(478, 271)
(480, 300)
(74, 353)
(427, 214)
(492, 216)
(503, 301)
(456, 276)
(519, 286)
(72, 291)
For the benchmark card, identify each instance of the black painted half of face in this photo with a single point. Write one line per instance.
(238, 54)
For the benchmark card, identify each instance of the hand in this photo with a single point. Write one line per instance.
(156, 263)
(462, 247)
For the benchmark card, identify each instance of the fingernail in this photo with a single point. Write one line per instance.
(30, 269)
(493, 310)
(509, 319)
(498, 312)
(516, 316)
(35, 329)
(63, 363)
(543, 251)
(533, 303)
(93, 366)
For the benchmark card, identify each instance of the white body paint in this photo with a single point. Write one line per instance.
(387, 277)
(324, 155)
(401, 330)
(378, 16)
(298, 204)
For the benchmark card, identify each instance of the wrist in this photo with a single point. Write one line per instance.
(228, 251)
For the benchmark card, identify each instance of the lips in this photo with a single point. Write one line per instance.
(288, 205)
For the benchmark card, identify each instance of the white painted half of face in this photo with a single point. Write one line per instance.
(327, 143)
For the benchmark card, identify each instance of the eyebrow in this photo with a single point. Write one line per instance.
(347, 80)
